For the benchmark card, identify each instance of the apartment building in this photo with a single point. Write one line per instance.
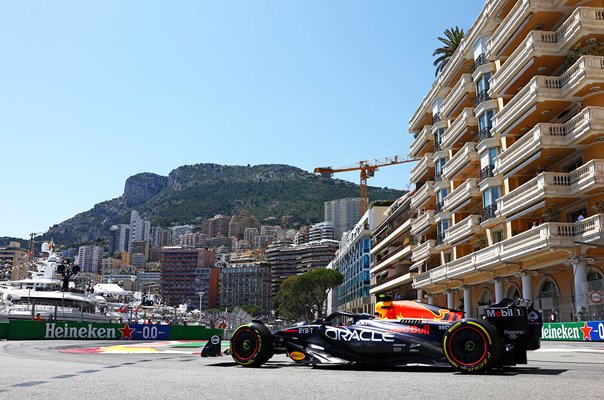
(320, 231)
(245, 280)
(286, 259)
(353, 260)
(343, 214)
(185, 273)
(89, 258)
(509, 187)
(119, 238)
(392, 258)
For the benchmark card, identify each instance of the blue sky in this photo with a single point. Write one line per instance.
(94, 92)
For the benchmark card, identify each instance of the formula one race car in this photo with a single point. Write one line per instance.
(405, 333)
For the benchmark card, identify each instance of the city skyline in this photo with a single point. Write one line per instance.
(96, 94)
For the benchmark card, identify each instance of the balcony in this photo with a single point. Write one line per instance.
(463, 230)
(460, 267)
(464, 161)
(522, 247)
(396, 255)
(393, 282)
(489, 212)
(459, 97)
(541, 91)
(423, 195)
(587, 178)
(527, 245)
(500, 42)
(460, 128)
(463, 195)
(487, 172)
(581, 129)
(589, 231)
(484, 134)
(421, 143)
(424, 250)
(395, 234)
(423, 222)
(524, 61)
(423, 168)
(481, 97)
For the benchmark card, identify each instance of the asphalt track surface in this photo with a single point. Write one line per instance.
(174, 370)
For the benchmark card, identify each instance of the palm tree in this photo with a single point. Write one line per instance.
(451, 42)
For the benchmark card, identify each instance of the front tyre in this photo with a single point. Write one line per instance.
(471, 346)
(251, 345)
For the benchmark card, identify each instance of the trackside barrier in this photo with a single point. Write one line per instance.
(3, 330)
(589, 331)
(60, 330)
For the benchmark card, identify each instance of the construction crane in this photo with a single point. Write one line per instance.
(367, 169)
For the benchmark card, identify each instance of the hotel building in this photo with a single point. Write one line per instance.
(509, 188)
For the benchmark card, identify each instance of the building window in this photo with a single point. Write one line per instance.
(497, 236)
(439, 166)
(441, 229)
(482, 88)
(487, 162)
(438, 138)
(440, 199)
(485, 123)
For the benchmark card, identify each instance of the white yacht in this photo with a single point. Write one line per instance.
(40, 295)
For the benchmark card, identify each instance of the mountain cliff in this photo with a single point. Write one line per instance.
(192, 193)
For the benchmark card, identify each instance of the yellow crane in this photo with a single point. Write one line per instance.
(367, 169)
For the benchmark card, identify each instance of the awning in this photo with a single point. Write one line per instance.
(416, 266)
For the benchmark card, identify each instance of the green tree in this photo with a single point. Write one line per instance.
(451, 42)
(304, 296)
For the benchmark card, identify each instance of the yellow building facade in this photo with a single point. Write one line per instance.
(508, 195)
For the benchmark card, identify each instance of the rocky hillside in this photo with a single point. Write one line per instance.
(192, 193)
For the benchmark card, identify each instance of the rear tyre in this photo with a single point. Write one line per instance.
(471, 346)
(251, 345)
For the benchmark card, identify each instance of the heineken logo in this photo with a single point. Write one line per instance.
(64, 330)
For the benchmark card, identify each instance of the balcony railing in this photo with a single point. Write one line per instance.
(487, 172)
(590, 230)
(439, 207)
(423, 251)
(462, 159)
(462, 194)
(421, 141)
(553, 184)
(588, 122)
(422, 195)
(392, 282)
(421, 168)
(457, 128)
(463, 229)
(423, 222)
(582, 22)
(514, 20)
(396, 254)
(484, 133)
(586, 70)
(481, 60)
(489, 212)
(464, 87)
(482, 96)
(546, 237)
(392, 236)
